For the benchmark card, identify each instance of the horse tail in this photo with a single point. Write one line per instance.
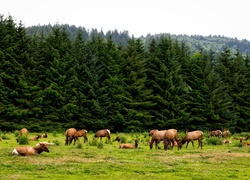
(108, 131)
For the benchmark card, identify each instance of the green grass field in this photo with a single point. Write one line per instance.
(95, 160)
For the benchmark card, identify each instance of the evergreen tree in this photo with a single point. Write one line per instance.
(240, 91)
(15, 91)
(136, 97)
(166, 82)
(230, 72)
(209, 105)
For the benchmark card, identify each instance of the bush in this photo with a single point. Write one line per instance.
(79, 145)
(5, 137)
(145, 134)
(16, 133)
(23, 140)
(214, 141)
(93, 143)
(54, 134)
(122, 137)
(100, 145)
(238, 144)
(56, 142)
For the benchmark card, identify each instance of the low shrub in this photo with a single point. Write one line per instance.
(100, 145)
(79, 145)
(214, 141)
(23, 140)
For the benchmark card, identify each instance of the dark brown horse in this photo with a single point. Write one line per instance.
(102, 133)
(70, 135)
(80, 133)
(215, 133)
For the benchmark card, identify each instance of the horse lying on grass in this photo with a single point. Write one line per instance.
(129, 146)
(29, 150)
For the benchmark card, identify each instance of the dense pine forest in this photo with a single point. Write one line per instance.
(54, 80)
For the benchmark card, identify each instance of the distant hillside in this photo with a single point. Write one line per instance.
(207, 43)
(194, 42)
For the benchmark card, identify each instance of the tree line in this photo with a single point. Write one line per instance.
(54, 82)
(194, 42)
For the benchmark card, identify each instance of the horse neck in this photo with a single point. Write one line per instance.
(183, 141)
(38, 149)
(136, 144)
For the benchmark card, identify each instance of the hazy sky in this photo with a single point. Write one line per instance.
(229, 18)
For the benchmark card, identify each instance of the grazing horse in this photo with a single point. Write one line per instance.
(23, 131)
(215, 133)
(80, 133)
(169, 138)
(29, 150)
(102, 133)
(157, 137)
(191, 136)
(226, 133)
(70, 135)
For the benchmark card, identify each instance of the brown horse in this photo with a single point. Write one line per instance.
(157, 137)
(45, 135)
(35, 138)
(129, 146)
(169, 138)
(226, 133)
(28, 150)
(191, 136)
(70, 135)
(215, 133)
(80, 133)
(23, 131)
(102, 133)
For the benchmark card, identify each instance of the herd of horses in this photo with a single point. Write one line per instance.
(169, 137)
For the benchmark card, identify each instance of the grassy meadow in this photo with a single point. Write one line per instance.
(95, 160)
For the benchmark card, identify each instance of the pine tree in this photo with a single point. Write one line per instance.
(16, 95)
(136, 97)
(166, 82)
(209, 105)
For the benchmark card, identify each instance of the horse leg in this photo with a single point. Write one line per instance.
(156, 144)
(192, 143)
(75, 139)
(166, 145)
(200, 143)
(67, 141)
(71, 139)
(151, 143)
(172, 143)
(85, 139)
